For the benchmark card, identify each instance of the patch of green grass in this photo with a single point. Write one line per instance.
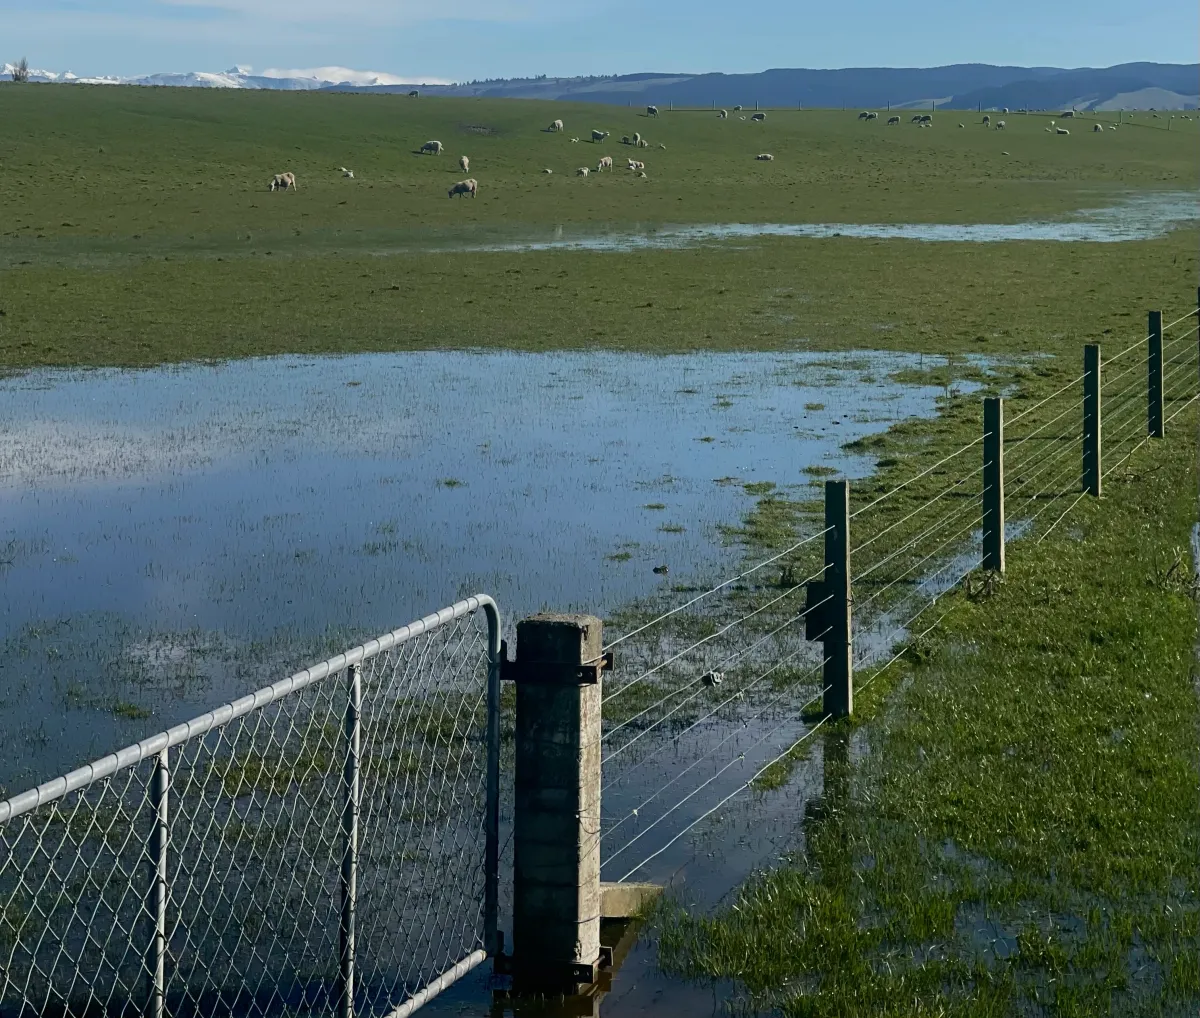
(672, 528)
(619, 556)
(130, 711)
(655, 505)
(451, 482)
(820, 470)
(813, 407)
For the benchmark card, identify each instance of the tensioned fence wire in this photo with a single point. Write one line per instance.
(204, 870)
(683, 751)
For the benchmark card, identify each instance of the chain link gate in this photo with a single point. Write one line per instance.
(326, 844)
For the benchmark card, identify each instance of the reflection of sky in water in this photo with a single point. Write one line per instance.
(195, 531)
(1136, 217)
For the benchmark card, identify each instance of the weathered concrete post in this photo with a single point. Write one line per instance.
(1091, 419)
(993, 484)
(838, 672)
(1154, 418)
(556, 822)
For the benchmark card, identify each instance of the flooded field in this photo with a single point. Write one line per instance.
(176, 537)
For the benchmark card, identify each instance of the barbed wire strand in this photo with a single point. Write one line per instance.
(1046, 399)
(1010, 446)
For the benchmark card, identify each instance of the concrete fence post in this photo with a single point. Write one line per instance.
(160, 790)
(352, 759)
(993, 484)
(828, 609)
(1154, 366)
(1091, 420)
(556, 819)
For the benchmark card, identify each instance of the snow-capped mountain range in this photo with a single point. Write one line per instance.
(235, 77)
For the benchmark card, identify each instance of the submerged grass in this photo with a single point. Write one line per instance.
(1023, 836)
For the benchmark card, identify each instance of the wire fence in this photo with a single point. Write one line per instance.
(326, 844)
(715, 696)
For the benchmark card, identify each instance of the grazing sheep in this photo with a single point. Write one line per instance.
(1068, 113)
(574, 141)
(864, 115)
(926, 118)
(581, 172)
(346, 172)
(641, 173)
(766, 157)
(759, 117)
(662, 146)
(987, 120)
(1000, 125)
(962, 125)
(643, 143)
(598, 136)
(604, 164)
(414, 94)
(1061, 130)
(723, 115)
(1005, 110)
(737, 109)
(468, 186)
(741, 118)
(635, 165)
(1097, 127)
(712, 678)
(652, 111)
(433, 148)
(547, 170)
(1111, 127)
(637, 139)
(916, 119)
(893, 120)
(625, 140)
(284, 182)
(464, 163)
(555, 127)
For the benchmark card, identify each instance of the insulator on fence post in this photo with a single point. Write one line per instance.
(838, 671)
(160, 793)
(1092, 445)
(993, 484)
(1154, 418)
(556, 808)
(350, 809)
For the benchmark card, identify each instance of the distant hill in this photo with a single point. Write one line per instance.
(959, 86)
(956, 86)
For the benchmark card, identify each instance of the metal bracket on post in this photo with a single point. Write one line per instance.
(1154, 368)
(827, 608)
(993, 484)
(1092, 446)
(587, 673)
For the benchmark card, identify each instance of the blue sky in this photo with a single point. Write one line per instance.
(463, 39)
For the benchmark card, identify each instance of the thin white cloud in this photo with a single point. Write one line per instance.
(339, 75)
(379, 12)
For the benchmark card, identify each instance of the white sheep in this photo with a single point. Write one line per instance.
(581, 172)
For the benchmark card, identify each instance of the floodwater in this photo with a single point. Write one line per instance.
(1139, 216)
(178, 536)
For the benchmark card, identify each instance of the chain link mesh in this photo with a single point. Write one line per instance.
(256, 847)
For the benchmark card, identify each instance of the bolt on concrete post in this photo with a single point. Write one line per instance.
(993, 484)
(556, 822)
(838, 671)
(1154, 417)
(1091, 420)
